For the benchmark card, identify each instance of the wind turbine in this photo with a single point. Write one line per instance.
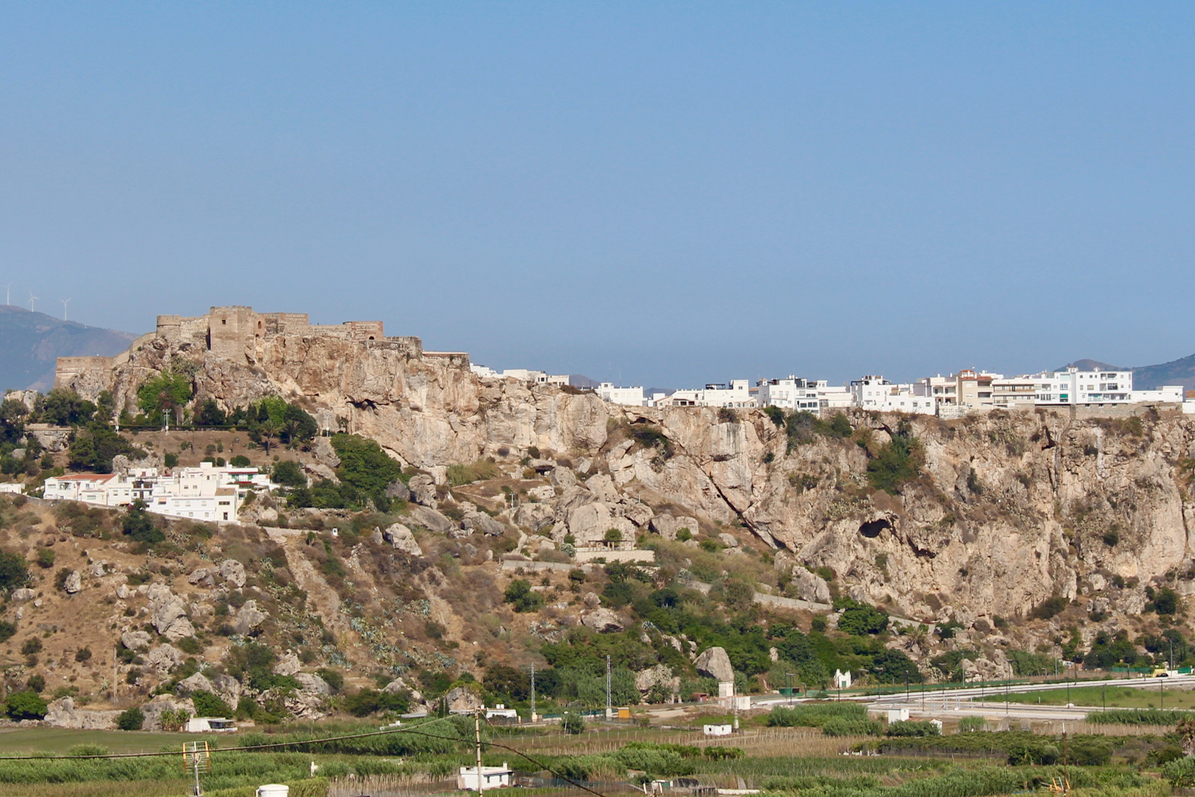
(32, 300)
(64, 303)
(8, 294)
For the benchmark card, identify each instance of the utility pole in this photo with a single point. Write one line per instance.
(477, 733)
(609, 709)
(533, 717)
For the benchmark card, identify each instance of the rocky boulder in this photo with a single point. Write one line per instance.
(714, 663)
(233, 572)
(423, 490)
(667, 526)
(62, 713)
(23, 594)
(658, 676)
(135, 640)
(288, 664)
(73, 582)
(164, 658)
(248, 617)
(310, 682)
(430, 519)
(192, 684)
(604, 621)
(463, 699)
(810, 586)
(401, 538)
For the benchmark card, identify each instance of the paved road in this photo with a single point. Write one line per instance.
(943, 703)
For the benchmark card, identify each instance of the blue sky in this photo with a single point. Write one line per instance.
(652, 193)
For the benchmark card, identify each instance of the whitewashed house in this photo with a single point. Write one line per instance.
(878, 394)
(629, 396)
(491, 778)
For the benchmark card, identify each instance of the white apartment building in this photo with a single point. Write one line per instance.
(789, 394)
(208, 492)
(521, 374)
(630, 396)
(735, 395)
(874, 392)
(1072, 386)
(1167, 394)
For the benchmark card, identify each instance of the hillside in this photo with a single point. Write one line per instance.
(1148, 377)
(32, 342)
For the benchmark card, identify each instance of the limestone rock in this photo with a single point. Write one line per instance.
(667, 526)
(402, 539)
(306, 704)
(62, 713)
(660, 675)
(73, 583)
(637, 513)
(591, 600)
(192, 684)
(545, 492)
(430, 519)
(324, 452)
(479, 521)
(164, 658)
(310, 682)
(202, 575)
(166, 612)
(248, 617)
(463, 699)
(535, 517)
(563, 478)
(97, 569)
(135, 640)
(123, 592)
(226, 688)
(159, 705)
(810, 586)
(23, 594)
(397, 491)
(714, 663)
(423, 490)
(233, 572)
(179, 629)
(604, 621)
(729, 540)
(288, 664)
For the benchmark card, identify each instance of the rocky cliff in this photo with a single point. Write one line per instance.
(1005, 510)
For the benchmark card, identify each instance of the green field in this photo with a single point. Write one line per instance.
(59, 740)
(1149, 695)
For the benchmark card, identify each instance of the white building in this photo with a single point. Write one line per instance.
(500, 710)
(630, 396)
(491, 778)
(717, 730)
(520, 374)
(1167, 394)
(735, 395)
(878, 394)
(1072, 386)
(842, 680)
(208, 493)
(210, 724)
(788, 394)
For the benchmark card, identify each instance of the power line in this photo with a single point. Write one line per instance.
(323, 740)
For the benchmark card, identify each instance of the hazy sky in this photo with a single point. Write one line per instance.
(653, 193)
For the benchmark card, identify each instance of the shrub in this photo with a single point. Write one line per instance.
(915, 728)
(1050, 607)
(26, 705)
(520, 595)
(30, 646)
(83, 654)
(972, 725)
(208, 705)
(480, 470)
(859, 619)
(14, 571)
(45, 557)
(841, 726)
(239, 461)
(573, 724)
(289, 473)
(897, 462)
(139, 526)
(131, 719)
(815, 715)
(7, 630)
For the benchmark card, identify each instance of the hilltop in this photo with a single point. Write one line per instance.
(32, 342)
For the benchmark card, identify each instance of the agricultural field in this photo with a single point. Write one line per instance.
(825, 750)
(1158, 693)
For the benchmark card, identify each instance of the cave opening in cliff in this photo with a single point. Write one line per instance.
(872, 528)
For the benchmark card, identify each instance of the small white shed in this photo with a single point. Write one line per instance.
(210, 724)
(718, 730)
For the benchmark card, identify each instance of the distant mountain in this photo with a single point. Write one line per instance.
(1175, 372)
(583, 382)
(30, 343)
(1148, 377)
(1091, 365)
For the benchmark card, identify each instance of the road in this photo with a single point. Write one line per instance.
(944, 703)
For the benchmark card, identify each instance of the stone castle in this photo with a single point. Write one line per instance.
(234, 332)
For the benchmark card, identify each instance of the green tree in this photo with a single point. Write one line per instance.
(139, 526)
(62, 407)
(12, 420)
(364, 466)
(169, 391)
(573, 724)
(208, 705)
(94, 447)
(131, 719)
(210, 414)
(897, 462)
(297, 425)
(14, 571)
(26, 705)
(289, 473)
(520, 595)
